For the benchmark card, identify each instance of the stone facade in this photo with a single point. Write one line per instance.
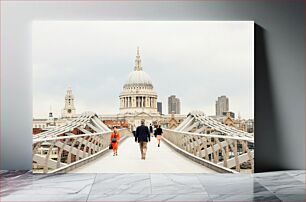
(138, 100)
(69, 109)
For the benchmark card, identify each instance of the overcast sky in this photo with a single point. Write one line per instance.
(195, 60)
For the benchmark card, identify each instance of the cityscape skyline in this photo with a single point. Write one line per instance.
(100, 93)
(218, 112)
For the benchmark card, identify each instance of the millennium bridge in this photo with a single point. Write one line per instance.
(199, 144)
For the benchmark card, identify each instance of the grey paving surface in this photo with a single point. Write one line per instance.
(272, 186)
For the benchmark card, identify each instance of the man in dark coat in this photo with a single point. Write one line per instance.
(142, 137)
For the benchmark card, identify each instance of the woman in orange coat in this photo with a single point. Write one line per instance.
(115, 138)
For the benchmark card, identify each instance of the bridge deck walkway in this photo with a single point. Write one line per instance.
(161, 159)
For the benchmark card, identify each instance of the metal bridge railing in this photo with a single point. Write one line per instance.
(56, 152)
(228, 151)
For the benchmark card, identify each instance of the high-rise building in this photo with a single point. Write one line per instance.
(160, 107)
(174, 105)
(222, 105)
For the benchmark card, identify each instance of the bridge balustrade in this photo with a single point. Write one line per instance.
(51, 154)
(231, 152)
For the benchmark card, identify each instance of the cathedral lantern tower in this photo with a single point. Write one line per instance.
(69, 109)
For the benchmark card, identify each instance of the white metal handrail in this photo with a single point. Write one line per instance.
(214, 136)
(68, 136)
(228, 151)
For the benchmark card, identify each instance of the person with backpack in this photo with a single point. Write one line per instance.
(158, 134)
(115, 138)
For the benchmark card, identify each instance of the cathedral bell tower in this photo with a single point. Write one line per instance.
(69, 109)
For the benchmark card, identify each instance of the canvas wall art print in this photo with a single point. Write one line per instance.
(143, 96)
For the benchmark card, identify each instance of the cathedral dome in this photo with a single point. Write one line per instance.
(138, 77)
(138, 95)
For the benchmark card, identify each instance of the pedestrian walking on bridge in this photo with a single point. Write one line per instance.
(142, 137)
(115, 138)
(158, 134)
(151, 130)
